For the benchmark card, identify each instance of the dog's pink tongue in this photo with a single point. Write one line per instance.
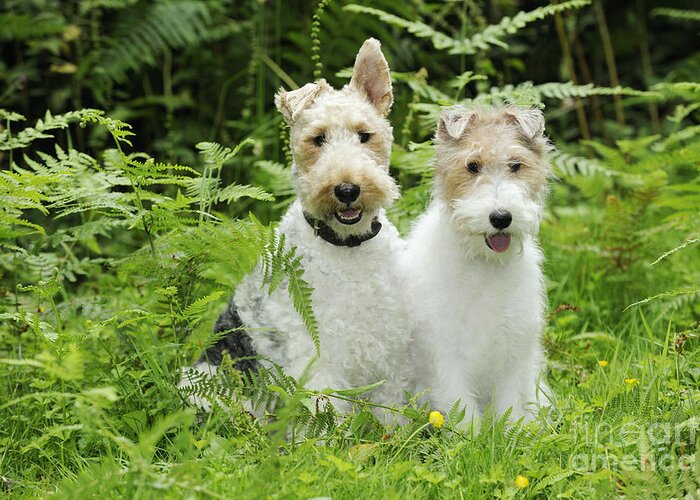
(498, 242)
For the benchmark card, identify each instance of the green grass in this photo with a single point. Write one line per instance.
(96, 413)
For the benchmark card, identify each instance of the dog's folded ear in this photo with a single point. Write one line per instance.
(453, 122)
(371, 77)
(530, 120)
(292, 103)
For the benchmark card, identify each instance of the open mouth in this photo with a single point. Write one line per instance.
(499, 242)
(349, 216)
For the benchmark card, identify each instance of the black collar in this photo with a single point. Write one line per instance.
(324, 231)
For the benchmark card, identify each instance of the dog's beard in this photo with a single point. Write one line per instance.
(469, 218)
(377, 191)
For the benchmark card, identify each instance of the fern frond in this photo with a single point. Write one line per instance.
(215, 155)
(418, 84)
(417, 28)
(40, 130)
(10, 116)
(196, 310)
(280, 263)
(683, 15)
(557, 90)
(491, 36)
(301, 294)
(279, 179)
(494, 34)
(274, 262)
(208, 190)
(460, 81)
(117, 128)
(30, 27)
(142, 36)
(86, 7)
(268, 386)
(570, 166)
(233, 192)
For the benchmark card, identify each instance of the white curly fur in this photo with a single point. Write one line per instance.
(479, 313)
(363, 327)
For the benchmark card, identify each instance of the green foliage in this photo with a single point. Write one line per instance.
(684, 15)
(491, 36)
(143, 36)
(123, 234)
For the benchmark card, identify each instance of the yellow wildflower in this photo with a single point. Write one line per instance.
(436, 419)
(631, 381)
(522, 482)
(603, 363)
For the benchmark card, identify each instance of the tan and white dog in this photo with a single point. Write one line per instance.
(473, 266)
(340, 142)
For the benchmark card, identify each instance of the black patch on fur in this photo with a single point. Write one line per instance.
(236, 342)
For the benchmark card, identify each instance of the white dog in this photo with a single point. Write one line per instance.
(472, 267)
(340, 141)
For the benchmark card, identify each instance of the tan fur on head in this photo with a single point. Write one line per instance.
(342, 136)
(292, 103)
(494, 139)
(453, 121)
(530, 120)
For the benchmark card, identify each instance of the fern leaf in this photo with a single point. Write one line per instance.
(494, 34)
(40, 130)
(279, 263)
(301, 294)
(197, 308)
(234, 192)
(421, 30)
(571, 166)
(568, 89)
(30, 27)
(140, 38)
(117, 128)
(491, 36)
(683, 15)
(216, 155)
(10, 116)
(278, 180)
(418, 84)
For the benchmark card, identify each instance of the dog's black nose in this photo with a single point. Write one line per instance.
(500, 219)
(346, 192)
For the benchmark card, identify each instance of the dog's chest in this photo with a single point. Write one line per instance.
(489, 314)
(357, 307)
(362, 324)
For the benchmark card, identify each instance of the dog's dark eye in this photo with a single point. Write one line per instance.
(473, 167)
(514, 166)
(364, 136)
(319, 139)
